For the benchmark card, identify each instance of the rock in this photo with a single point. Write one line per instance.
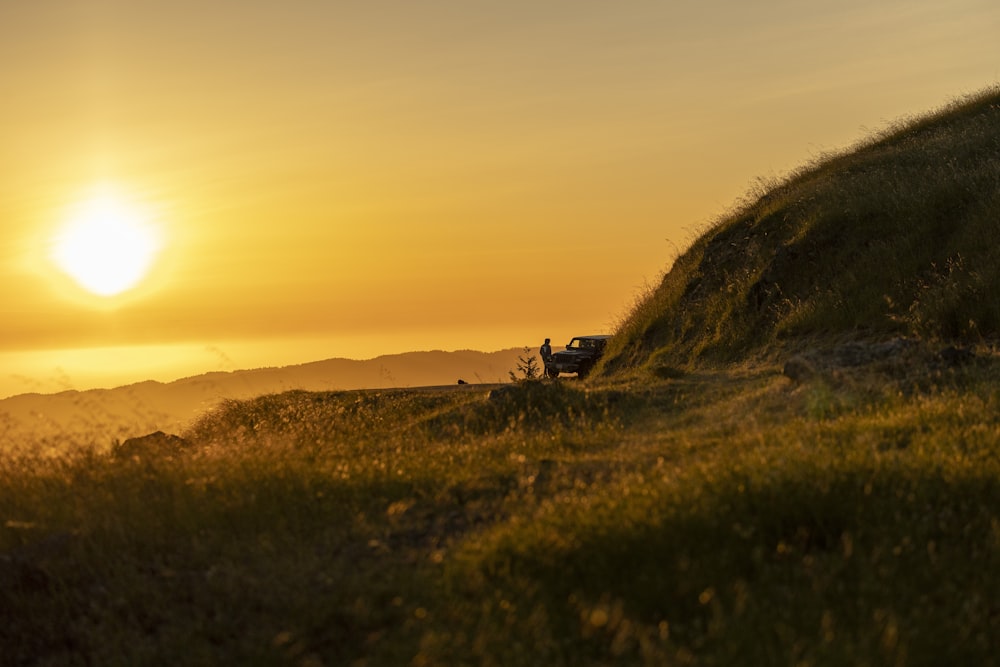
(865, 353)
(501, 393)
(152, 444)
(856, 354)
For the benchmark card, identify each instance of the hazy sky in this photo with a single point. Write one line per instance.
(356, 178)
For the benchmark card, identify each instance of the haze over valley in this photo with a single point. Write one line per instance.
(98, 416)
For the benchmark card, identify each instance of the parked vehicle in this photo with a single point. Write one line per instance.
(579, 356)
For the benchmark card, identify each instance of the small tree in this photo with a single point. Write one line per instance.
(527, 366)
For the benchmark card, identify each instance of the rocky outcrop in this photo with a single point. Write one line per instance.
(899, 357)
(158, 444)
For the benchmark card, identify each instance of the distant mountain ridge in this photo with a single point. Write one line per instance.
(98, 416)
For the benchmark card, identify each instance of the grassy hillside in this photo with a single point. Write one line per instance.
(724, 518)
(900, 236)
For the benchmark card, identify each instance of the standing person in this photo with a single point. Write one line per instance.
(546, 353)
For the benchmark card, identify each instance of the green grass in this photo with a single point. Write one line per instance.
(723, 517)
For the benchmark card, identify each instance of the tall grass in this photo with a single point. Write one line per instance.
(723, 517)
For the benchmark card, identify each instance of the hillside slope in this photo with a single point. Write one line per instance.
(900, 236)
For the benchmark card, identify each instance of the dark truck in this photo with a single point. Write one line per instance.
(579, 356)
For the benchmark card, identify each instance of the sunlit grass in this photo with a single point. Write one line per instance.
(725, 517)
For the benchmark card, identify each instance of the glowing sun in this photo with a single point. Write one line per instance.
(107, 246)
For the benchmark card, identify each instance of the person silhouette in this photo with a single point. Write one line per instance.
(546, 353)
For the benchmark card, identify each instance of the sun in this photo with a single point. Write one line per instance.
(107, 245)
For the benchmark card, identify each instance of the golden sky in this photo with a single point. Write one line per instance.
(356, 178)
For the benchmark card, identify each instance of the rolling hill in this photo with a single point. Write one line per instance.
(899, 236)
